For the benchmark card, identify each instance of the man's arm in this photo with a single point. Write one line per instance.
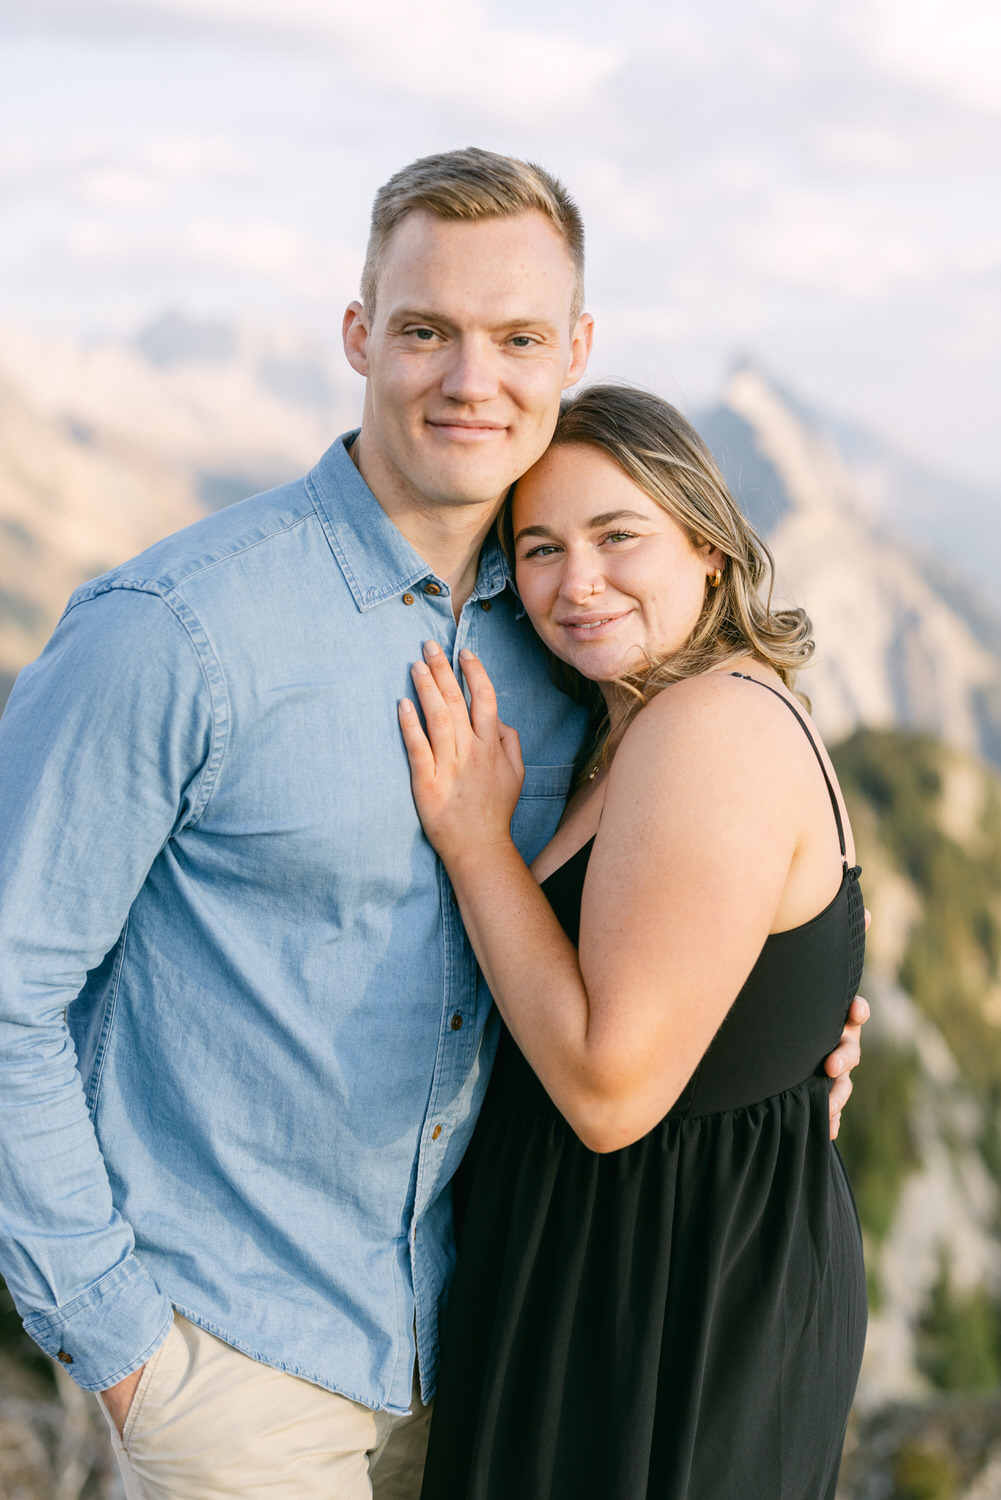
(102, 754)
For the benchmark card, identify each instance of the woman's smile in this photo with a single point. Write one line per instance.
(589, 628)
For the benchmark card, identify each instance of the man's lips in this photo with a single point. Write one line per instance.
(591, 627)
(468, 432)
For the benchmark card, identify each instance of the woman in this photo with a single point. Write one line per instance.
(660, 1289)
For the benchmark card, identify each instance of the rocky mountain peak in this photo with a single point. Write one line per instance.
(891, 649)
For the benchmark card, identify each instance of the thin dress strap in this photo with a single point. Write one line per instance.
(820, 760)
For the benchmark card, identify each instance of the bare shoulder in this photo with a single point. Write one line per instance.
(715, 707)
(713, 736)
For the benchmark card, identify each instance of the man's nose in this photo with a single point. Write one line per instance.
(471, 374)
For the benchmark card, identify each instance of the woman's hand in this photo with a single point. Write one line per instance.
(466, 771)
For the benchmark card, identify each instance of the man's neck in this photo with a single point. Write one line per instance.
(449, 538)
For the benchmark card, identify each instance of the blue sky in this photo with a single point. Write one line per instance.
(814, 184)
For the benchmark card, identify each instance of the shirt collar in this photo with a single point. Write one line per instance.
(375, 557)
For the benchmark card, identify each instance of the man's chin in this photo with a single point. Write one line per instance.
(469, 483)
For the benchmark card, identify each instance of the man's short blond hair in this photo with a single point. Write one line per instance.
(473, 184)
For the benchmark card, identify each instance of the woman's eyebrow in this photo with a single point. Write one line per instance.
(603, 520)
(616, 515)
(534, 531)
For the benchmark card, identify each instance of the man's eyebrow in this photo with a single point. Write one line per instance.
(426, 315)
(604, 519)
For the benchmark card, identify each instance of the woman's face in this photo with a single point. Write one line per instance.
(607, 577)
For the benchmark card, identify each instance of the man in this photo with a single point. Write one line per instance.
(226, 1164)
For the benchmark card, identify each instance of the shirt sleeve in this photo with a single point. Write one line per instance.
(106, 747)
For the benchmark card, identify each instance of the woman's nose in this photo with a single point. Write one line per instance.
(581, 583)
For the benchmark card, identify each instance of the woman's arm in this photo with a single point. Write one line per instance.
(696, 841)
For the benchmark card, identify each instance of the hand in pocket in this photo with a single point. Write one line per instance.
(118, 1398)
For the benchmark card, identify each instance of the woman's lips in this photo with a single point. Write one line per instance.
(592, 628)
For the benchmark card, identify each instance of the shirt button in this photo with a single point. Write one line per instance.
(408, 598)
(436, 1132)
(64, 1358)
(457, 1022)
(431, 588)
(486, 606)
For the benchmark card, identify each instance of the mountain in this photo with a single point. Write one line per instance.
(922, 1134)
(73, 502)
(233, 407)
(898, 642)
(106, 448)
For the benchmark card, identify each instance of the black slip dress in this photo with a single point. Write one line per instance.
(682, 1319)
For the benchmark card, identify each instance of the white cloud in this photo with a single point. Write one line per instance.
(821, 243)
(849, 146)
(185, 156)
(449, 52)
(951, 47)
(263, 250)
(120, 187)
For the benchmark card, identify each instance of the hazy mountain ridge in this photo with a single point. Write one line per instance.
(234, 408)
(893, 647)
(72, 504)
(105, 449)
(921, 1136)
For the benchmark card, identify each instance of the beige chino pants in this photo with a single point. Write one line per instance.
(209, 1423)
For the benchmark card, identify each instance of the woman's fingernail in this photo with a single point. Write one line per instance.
(431, 648)
(419, 669)
(466, 655)
(405, 706)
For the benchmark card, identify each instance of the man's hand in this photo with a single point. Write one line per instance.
(847, 1055)
(118, 1398)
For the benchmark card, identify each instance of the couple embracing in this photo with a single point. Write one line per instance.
(448, 814)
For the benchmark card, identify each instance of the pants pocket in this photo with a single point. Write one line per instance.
(142, 1389)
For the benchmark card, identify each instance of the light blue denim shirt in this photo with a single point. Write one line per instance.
(242, 1037)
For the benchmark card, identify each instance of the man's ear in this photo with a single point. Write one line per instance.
(354, 332)
(581, 339)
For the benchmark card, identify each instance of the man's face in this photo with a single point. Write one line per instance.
(467, 354)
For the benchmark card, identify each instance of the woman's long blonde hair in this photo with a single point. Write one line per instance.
(664, 455)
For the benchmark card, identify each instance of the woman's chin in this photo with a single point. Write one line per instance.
(598, 666)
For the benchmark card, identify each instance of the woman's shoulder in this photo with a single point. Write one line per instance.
(744, 698)
(718, 721)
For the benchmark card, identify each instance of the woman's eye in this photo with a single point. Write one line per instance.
(544, 550)
(619, 536)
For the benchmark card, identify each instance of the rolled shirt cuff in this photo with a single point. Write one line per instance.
(108, 1331)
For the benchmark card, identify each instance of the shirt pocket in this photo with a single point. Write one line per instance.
(543, 796)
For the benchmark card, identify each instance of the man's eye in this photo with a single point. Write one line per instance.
(424, 334)
(522, 341)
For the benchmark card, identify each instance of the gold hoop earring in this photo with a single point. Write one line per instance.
(715, 579)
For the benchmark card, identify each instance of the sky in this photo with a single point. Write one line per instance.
(814, 184)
